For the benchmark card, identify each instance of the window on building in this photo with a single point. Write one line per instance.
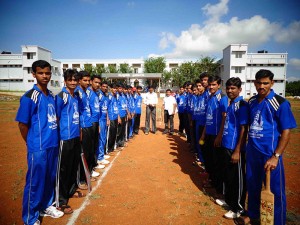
(238, 69)
(29, 70)
(280, 93)
(136, 65)
(65, 66)
(29, 55)
(30, 81)
(173, 65)
(248, 93)
(136, 70)
(238, 54)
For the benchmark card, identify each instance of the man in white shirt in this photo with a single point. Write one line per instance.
(151, 102)
(169, 107)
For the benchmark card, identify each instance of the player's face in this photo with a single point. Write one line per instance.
(263, 86)
(213, 87)
(195, 91)
(181, 90)
(168, 93)
(233, 92)
(204, 82)
(95, 84)
(84, 82)
(71, 83)
(150, 90)
(113, 90)
(42, 76)
(104, 88)
(120, 89)
(200, 87)
(139, 91)
(189, 89)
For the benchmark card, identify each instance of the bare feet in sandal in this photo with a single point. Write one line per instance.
(66, 209)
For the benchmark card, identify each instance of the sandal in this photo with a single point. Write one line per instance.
(66, 209)
(78, 194)
(242, 220)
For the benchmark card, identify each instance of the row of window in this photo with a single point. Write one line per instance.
(267, 65)
(14, 66)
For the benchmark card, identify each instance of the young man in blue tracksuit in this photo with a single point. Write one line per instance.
(271, 120)
(199, 115)
(181, 100)
(122, 106)
(38, 127)
(138, 109)
(212, 134)
(69, 136)
(131, 111)
(103, 125)
(233, 149)
(86, 127)
(92, 94)
(113, 119)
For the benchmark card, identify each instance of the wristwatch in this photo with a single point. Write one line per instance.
(276, 155)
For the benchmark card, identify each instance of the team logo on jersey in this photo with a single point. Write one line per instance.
(257, 125)
(96, 105)
(75, 114)
(209, 117)
(51, 115)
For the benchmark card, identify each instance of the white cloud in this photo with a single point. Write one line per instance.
(295, 63)
(290, 33)
(214, 35)
(215, 12)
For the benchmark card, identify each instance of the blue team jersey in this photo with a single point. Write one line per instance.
(194, 111)
(138, 103)
(122, 104)
(113, 110)
(216, 105)
(38, 111)
(189, 103)
(200, 109)
(237, 114)
(267, 121)
(68, 115)
(131, 103)
(181, 103)
(94, 104)
(103, 104)
(84, 108)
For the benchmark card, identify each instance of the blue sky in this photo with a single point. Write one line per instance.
(108, 29)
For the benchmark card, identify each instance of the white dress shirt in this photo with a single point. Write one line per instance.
(151, 98)
(169, 104)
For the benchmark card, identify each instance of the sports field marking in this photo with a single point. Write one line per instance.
(86, 201)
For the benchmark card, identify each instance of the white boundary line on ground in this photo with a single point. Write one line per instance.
(86, 202)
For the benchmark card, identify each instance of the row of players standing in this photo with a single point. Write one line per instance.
(217, 127)
(83, 117)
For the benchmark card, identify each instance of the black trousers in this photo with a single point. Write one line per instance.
(95, 142)
(68, 161)
(121, 132)
(137, 122)
(234, 180)
(112, 135)
(187, 127)
(87, 148)
(182, 122)
(129, 124)
(150, 112)
(168, 118)
(214, 163)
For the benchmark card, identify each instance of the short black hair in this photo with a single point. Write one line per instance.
(214, 78)
(150, 86)
(95, 76)
(168, 90)
(204, 74)
(113, 85)
(82, 74)
(69, 73)
(104, 82)
(234, 81)
(139, 87)
(263, 74)
(197, 81)
(40, 63)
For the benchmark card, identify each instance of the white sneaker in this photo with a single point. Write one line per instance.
(106, 156)
(95, 174)
(232, 215)
(221, 202)
(53, 212)
(103, 161)
(100, 166)
(37, 222)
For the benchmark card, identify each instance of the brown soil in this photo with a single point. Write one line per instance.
(152, 181)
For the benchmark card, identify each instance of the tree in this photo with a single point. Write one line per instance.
(293, 88)
(154, 65)
(112, 69)
(207, 64)
(166, 78)
(125, 68)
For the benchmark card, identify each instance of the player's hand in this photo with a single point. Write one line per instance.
(119, 121)
(235, 157)
(218, 141)
(272, 163)
(107, 122)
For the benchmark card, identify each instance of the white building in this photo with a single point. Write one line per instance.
(237, 62)
(15, 69)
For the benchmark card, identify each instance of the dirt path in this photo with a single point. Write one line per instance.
(152, 181)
